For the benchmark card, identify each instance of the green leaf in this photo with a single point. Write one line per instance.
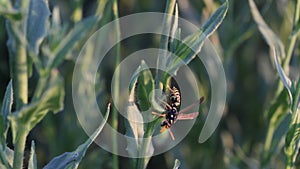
(56, 28)
(175, 32)
(33, 113)
(6, 157)
(6, 110)
(31, 30)
(144, 88)
(139, 142)
(296, 29)
(69, 41)
(71, 160)
(274, 43)
(37, 22)
(32, 163)
(8, 11)
(166, 28)
(192, 44)
(134, 121)
(292, 139)
(277, 113)
(176, 164)
(296, 94)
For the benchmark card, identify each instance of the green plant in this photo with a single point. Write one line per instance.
(281, 107)
(33, 41)
(143, 84)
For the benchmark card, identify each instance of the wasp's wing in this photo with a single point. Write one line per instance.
(187, 116)
(192, 106)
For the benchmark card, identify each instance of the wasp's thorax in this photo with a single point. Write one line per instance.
(171, 117)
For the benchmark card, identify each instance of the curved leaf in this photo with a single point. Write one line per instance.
(292, 141)
(6, 157)
(134, 121)
(166, 28)
(139, 143)
(71, 160)
(191, 45)
(6, 107)
(71, 39)
(176, 164)
(275, 44)
(33, 113)
(37, 23)
(144, 87)
(8, 11)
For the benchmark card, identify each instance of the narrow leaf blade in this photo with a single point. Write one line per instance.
(176, 164)
(7, 104)
(37, 23)
(6, 157)
(144, 87)
(8, 11)
(274, 43)
(71, 160)
(292, 140)
(32, 163)
(192, 44)
(33, 113)
(71, 39)
(134, 125)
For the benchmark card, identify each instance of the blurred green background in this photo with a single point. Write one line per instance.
(251, 82)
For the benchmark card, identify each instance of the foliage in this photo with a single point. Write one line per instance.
(261, 124)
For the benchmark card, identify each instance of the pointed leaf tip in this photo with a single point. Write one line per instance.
(7, 104)
(274, 43)
(32, 163)
(71, 160)
(176, 164)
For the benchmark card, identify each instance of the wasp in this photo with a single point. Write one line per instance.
(171, 113)
(174, 96)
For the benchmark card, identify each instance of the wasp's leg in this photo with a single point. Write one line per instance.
(165, 126)
(162, 129)
(158, 114)
(171, 134)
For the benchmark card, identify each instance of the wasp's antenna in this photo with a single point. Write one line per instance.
(165, 103)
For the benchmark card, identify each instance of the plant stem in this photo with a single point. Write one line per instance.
(77, 12)
(19, 76)
(39, 88)
(150, 128)
(116, 86)
(20, 86)
(142, 162)
(100, 7)
(293, 37)
(19, 147)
